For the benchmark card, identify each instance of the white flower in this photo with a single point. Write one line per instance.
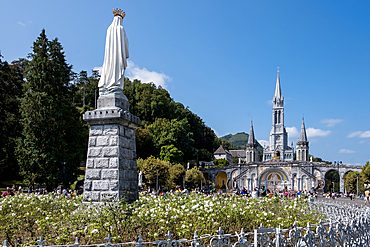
(183, 226)
(94, 231)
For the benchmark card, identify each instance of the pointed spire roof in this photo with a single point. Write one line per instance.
(303, 136)
(278, 94)
(251, 135)
(251, 140)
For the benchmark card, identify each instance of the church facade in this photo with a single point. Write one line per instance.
(278, 169)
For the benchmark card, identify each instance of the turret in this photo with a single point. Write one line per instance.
(252, 151)
(302, 145)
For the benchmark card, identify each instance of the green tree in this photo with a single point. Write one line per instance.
(332, 177)
(144, 143)
(365, 173)
(350, 182)
(52, 127)
(193, 178)
(177, 172)
(82, 82)
(11, 80)
(171, 154)
(92, 90)
(204, 155)
(235, 160)
(172, 132)
(260, 155)
(85, 88)
(150, 103)
(149, 167)
(221, 163)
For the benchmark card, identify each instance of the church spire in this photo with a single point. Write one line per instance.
(278, 96)
(302, 145)
(303, 136)
(251, 140)
(251, 151)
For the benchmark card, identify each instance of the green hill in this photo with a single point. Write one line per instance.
(239, 140)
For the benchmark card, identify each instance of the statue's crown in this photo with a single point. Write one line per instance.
(119, 12)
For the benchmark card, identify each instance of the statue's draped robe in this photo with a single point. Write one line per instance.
(116, 53)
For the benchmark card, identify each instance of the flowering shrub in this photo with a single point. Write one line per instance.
(24, 218)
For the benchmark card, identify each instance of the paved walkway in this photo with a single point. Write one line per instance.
(358, 202)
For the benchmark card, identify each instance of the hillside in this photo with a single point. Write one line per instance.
(239, 140)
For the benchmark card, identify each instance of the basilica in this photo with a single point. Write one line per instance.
(279, 168)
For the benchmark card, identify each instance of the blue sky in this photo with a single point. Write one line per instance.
(220, 58)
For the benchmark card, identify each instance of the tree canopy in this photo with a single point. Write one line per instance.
(11, 80)
(168, 123)
(52, 132)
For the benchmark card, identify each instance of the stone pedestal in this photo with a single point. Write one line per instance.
(111, 169)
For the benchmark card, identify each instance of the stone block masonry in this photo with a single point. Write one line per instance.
(111, 168)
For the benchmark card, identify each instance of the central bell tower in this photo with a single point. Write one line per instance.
(278, 141)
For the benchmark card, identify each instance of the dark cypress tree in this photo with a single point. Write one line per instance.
(10, 93)
(52, 136)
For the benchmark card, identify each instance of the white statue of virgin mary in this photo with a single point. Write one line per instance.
(116, 53)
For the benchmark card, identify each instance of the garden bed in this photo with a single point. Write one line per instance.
(24, 218)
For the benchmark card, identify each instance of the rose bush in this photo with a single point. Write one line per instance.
(24, 218)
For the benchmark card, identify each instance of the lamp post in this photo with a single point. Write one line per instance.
(64, 175)
(285, 183)
(156, 183)
(333, 186)
(357, 183)
(338, 163)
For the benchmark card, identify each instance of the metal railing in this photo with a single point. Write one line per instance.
(346, 226)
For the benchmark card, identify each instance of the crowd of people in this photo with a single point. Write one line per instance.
(255, 193)
(14, 190)
(263, 192)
